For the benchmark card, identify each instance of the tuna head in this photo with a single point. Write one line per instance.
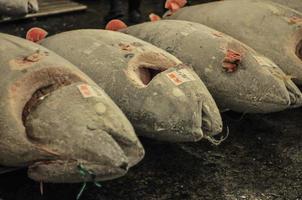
(161, 97)
(176, 104)
(84, 131)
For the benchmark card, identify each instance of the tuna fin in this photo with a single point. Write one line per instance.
(153, 17)
(174, 5)
(36, 34)
(115, 25)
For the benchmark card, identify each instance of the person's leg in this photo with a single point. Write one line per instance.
(134, 11)
(116, 10)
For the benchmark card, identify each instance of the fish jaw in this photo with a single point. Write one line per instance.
(285, 90)
(58, 171)
(70, 124)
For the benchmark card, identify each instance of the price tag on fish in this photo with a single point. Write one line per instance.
(180, 76)
(87, 91)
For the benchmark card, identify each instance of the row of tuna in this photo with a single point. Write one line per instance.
(69, 102)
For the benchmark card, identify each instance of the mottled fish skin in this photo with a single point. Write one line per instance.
(162, 108)
(257, 85)
(271, 29)
(294, 4)
(54, 119)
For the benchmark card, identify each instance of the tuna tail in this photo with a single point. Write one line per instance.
(115, 25)
(36, 34)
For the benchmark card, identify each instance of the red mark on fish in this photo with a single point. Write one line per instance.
(115, 25)
(231, 60)
(86, 91)
(294, 20)
(174, 5)
(126, 47)
(36, 34)
(153, 17)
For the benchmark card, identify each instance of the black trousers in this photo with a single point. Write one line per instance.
(117, 5)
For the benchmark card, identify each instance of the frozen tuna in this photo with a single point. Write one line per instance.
(238, 78)
(294, 4)
(57, 121)
(270, 28)
(18, 7)
(163, 98)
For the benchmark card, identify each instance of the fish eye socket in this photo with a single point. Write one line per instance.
(147, 73)
(299, 49)
(145, 66)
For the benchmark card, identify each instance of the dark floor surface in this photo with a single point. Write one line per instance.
(262, 158)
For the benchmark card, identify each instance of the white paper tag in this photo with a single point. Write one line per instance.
(87, 91)
(180, 76)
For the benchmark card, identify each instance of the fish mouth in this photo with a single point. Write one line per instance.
(211, 122)
(295, 94)
(71, 171)
(133, 149)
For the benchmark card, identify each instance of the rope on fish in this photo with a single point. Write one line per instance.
(86, 172)
(216, 142)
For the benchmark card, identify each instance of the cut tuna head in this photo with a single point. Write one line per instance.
(57, 121)
(162, 98)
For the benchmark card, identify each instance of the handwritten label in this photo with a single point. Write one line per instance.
(180, 76)
(87, 91)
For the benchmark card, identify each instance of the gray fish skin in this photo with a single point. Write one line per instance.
(18, 7)
(50, 123)
(159, 109)
(294, 4)
(270, 28)
(257, 86)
